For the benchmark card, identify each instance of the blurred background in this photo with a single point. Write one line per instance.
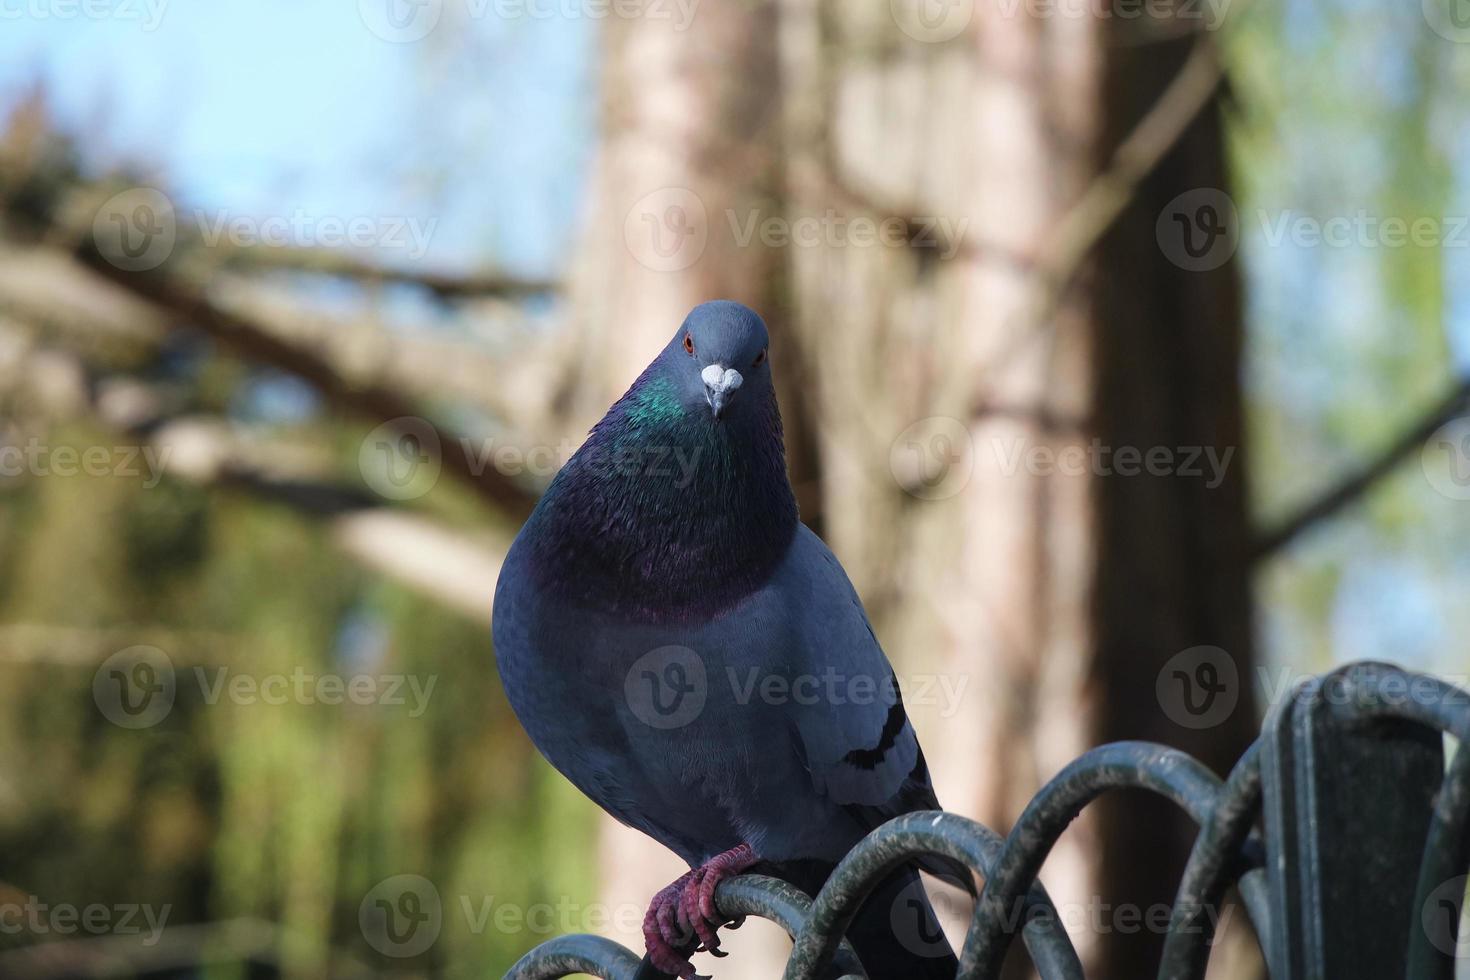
(1122, 347)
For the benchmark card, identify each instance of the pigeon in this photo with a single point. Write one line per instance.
(693, 658)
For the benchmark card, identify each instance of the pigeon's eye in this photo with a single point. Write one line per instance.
(689, 343)
(760, 358)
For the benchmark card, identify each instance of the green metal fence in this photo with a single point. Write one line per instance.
(1343, 831)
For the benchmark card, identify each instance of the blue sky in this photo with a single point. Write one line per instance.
(270, 106)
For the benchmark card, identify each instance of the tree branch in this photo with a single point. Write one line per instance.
(1064, 253)
(191, 308)
(453, 566)
(1359, 483)
(326, 262)
(1138, 156)
(448, 564)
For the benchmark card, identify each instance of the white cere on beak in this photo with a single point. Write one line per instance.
(717, 377)
(719, 382)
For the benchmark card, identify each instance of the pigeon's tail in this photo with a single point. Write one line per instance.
(895, 932)
(897, 936)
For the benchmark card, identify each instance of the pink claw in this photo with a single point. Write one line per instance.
(690, 911)
(720, 867)
(689, 904)
(663, 932)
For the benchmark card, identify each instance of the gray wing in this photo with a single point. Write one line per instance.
(855, 738)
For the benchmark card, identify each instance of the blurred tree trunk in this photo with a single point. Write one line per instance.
(1029, 610)
(1174, 552)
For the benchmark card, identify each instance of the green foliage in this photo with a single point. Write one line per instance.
(231, 807)
(1344, 110)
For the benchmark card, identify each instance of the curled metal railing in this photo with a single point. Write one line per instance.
(1270, 830)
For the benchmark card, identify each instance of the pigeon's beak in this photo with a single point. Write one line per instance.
(720, 383)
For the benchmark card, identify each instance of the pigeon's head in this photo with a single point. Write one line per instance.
(720, 360)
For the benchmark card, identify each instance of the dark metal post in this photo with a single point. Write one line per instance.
(1347, 806)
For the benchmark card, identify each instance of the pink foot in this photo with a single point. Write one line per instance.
(685, 910)
(663, 932)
